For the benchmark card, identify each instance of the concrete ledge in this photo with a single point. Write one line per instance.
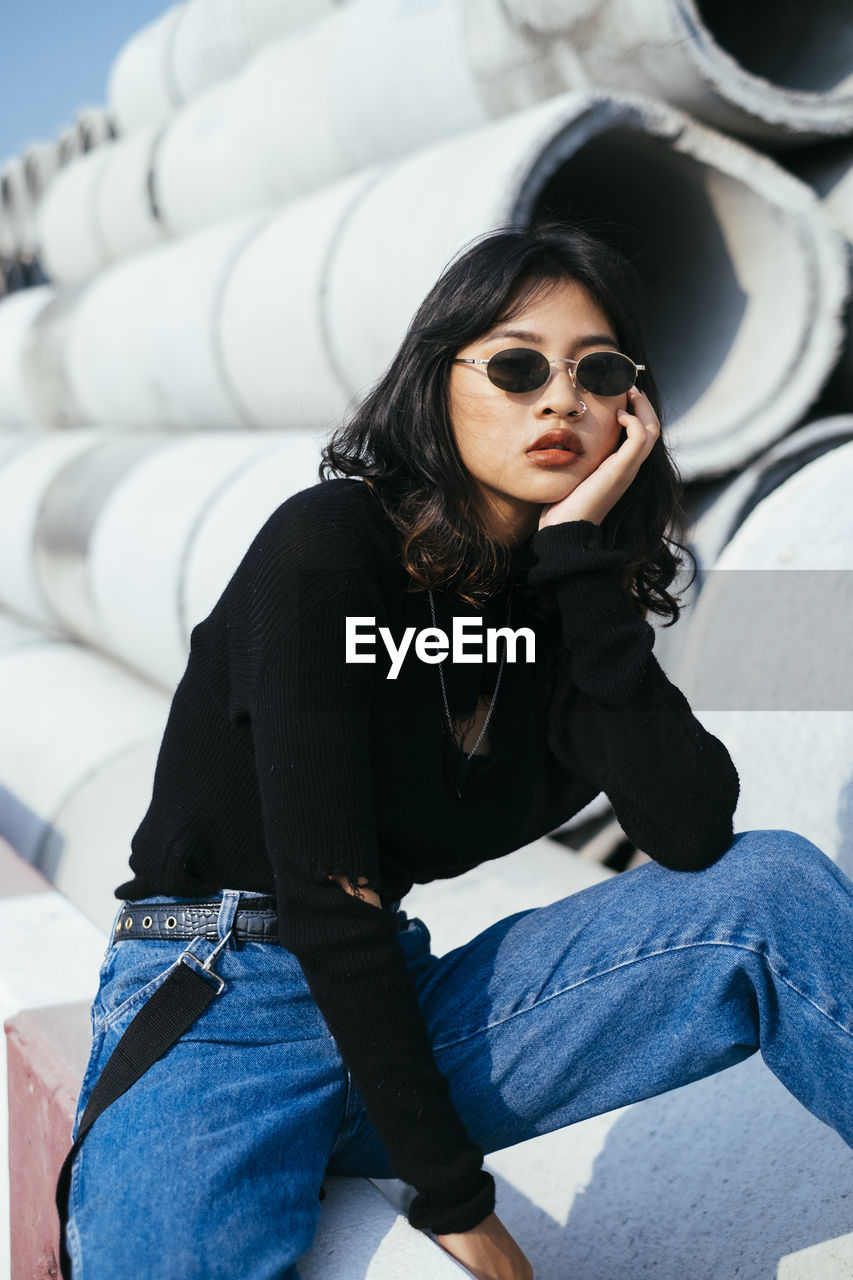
(47, 1051)
(360, 1231)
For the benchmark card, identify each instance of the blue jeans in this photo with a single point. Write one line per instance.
(211, 1164)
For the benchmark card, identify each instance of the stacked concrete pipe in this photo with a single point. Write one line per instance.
(204, 332)
(829, 170)
(126, 542)
(14, 209)
(76, 773)
(718, 523)
(768, 664)
(717, 510)
(766, 71)
(314, 106)
(18, 313)
(24, 179)
(192, 46)
(100, 208)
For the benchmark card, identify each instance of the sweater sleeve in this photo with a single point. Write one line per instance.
(311, 716)
(617, 720)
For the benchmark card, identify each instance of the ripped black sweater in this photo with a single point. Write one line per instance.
(283, 764)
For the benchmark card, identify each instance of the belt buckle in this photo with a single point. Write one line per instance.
(205, 966)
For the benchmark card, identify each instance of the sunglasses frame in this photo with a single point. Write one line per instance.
(572, 372)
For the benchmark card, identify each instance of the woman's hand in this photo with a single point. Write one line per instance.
(370, 895)
(488, 1251)
(594, 496)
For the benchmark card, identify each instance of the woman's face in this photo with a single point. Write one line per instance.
(495, 430)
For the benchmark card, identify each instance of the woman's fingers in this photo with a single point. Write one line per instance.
(598, 493)
(370, 895)
(488, 1251)
(641, 415)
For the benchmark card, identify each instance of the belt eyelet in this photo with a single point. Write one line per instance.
(147, 922)
(128, 922)
(171, 922)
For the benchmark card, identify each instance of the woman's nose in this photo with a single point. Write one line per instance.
(560, 394)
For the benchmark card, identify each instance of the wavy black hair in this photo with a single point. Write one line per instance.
(400, 439)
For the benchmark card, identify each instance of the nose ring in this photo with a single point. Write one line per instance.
(576, 413)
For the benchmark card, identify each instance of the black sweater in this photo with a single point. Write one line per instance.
(282, 764)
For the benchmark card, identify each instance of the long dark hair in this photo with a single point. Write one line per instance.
(400, 440)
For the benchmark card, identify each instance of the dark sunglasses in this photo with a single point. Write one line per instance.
(601, 373)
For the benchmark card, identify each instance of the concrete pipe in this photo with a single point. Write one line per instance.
(140, 87)
(17, 634)
(235, 513)
(26, 474)
(274, 339)
(446, 67)
(17, 314)
(12, 442)
(41, 161)
(77, 532)
(68, 143)
(95, 126)
(337, 79)
(761, 70)
(193, 46)
(142, 615)
(731, 247)
(147, 619)
(730, 227)
(718, 509)
(86, 853)
(768, 664)
(72, 245)
(715, 526)
(78, 762)
(8, 248)
(15, 207)
(141, 345)
(829, 169)
(100, 209)
(215, 37)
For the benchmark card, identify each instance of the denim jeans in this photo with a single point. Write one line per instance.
(211, 1164)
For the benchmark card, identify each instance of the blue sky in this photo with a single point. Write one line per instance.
(54, 59)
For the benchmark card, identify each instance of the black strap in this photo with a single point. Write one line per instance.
(162, 1020)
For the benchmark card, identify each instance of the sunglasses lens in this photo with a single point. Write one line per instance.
(606, 373)
(518, 369)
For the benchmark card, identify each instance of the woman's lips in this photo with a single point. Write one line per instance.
(557, 446)
(552, 457)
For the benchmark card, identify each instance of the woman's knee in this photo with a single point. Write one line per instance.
(774, 846)
(772, 858)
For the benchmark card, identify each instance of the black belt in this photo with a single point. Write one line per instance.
(257, 922)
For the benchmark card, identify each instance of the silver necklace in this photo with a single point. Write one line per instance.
(494, 692)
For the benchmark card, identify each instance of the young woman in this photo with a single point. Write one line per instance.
(427, 660)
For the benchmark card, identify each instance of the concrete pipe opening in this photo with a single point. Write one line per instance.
(728, 287)
(773, 39)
